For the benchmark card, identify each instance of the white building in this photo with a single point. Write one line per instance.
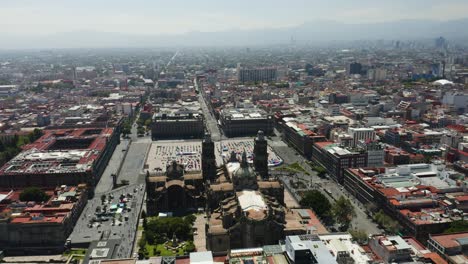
(377, 74)
(362, 133)
(457, 100)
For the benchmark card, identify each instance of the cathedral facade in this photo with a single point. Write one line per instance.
(245, 208)
(176, 191)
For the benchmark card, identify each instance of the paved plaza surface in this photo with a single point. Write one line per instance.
(289, 200)
(225, 147)
(120, 220)
(199, 237)
(189, 152)
(162, 153)
(36, 259)
(133, 164)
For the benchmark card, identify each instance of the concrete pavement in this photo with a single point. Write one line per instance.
(199, 239)
(105, 183)
(132, 167)
(211, 123)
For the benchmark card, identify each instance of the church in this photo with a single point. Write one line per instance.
(177, 191)
(245, 207)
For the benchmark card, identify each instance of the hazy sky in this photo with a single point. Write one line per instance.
(178, 16)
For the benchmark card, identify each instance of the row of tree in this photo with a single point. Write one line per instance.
(159, 230)
(342, 211)
(9, 149)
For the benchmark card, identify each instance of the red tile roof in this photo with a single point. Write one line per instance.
(449, 241)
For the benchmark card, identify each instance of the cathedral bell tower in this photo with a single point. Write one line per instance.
(208, 159)
(261, 155)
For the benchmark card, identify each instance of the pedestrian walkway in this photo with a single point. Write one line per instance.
(199, 239)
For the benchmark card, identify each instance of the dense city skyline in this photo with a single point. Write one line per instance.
(26, 21)
(240, 132)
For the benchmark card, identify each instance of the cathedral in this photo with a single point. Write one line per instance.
(244, 206)
(176, 191)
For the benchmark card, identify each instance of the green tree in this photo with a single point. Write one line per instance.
(317, 201)
(37, 133)
(343, 211)
(190, 219)
(148, 122)
(189, 246)
(157, 228)
(22, 140)
(126, 129)
(140, 122)
(457, 226)
(359, 235)
(33, 194)
(2, 147)
(390, 225)
(142, 241)
(321, 171)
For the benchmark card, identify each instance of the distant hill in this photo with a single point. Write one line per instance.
(310, 32)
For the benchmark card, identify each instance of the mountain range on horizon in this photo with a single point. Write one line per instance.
(314, 32)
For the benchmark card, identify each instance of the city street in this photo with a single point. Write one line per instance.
(211, 123)
(328, 187)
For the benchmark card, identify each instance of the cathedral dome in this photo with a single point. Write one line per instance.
(244, 171)
(174, 170)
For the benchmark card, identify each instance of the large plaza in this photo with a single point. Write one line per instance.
(189, 153)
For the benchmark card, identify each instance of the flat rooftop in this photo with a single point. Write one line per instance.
(60, 151)
(56, 209)
(244, 113)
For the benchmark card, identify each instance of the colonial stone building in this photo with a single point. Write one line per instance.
(176, 191)
(245, 207)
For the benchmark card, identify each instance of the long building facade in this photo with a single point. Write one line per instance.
(29, 227)
(260, 74)
(61, 156)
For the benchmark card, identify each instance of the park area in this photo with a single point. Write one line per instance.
(166, 236)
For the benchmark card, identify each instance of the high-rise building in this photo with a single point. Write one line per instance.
(377, 74)
(260, 74)
(440, 43)
(364, 134)
(261, 155)
(355, 68)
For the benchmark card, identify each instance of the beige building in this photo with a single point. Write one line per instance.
(247, 210)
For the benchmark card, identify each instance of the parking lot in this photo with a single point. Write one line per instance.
(114, 216)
